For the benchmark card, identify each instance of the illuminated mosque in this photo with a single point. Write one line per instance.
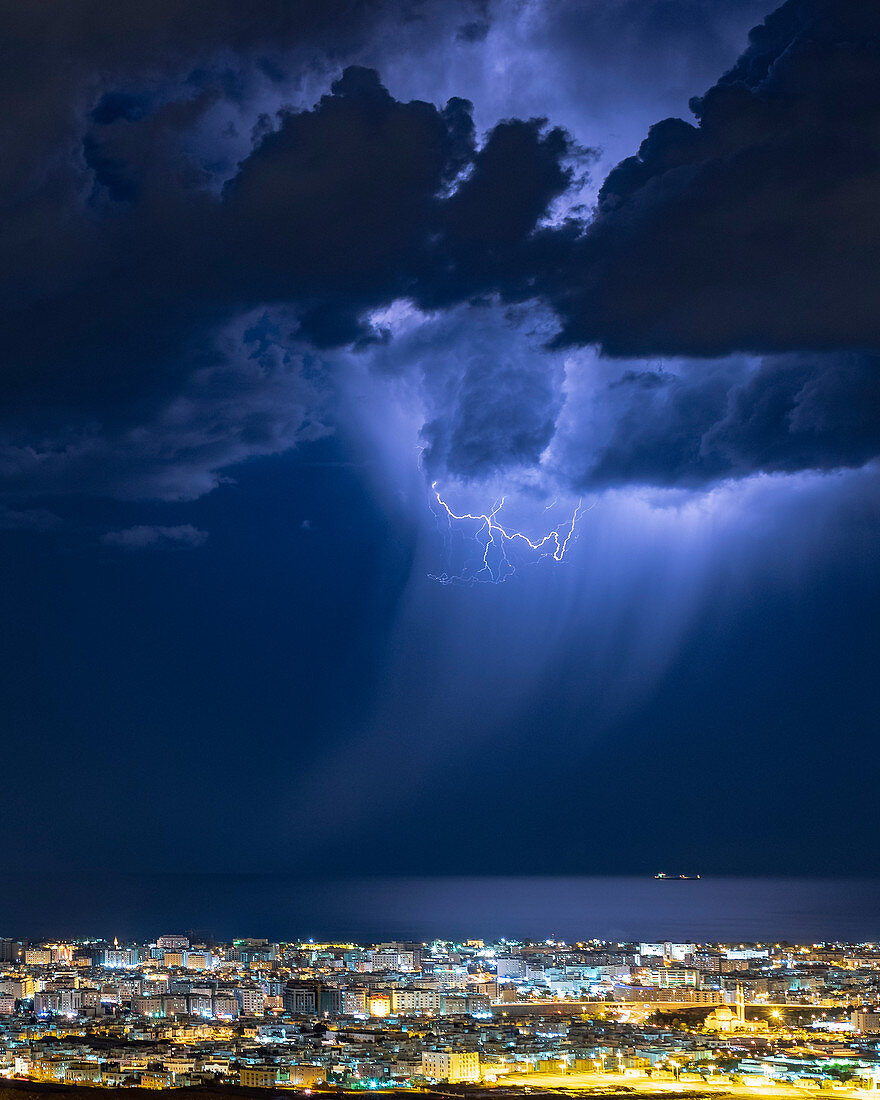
(724, 1019)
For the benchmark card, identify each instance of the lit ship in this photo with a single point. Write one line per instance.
(674, 878)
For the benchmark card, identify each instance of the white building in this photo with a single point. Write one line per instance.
(451, 1065)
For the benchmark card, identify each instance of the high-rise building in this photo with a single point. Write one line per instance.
(9, 949)
(301, 998)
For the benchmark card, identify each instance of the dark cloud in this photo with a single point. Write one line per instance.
(503, 417)
(126, 275)
(646, 428)
(47, 78)
(493, 396)
(753, 230)
(165, 319)
(105, 63)
(801, 412)
(366, 199)
(333, 210)
(120, 372)
(602, 69)
(485, 236)
(144, 537)
(27, 519)
(697, 424)
(241, 395)
(756, 229)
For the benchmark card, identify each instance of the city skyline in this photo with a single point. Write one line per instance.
(439, 439)
(735, 1019)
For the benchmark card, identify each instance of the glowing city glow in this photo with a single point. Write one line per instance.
(495, 540)
(587, 1019)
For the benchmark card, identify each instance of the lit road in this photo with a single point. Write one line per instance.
(608, 1083)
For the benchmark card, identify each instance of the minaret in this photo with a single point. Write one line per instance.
(740, 1003)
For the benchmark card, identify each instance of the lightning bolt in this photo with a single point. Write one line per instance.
(495, 539)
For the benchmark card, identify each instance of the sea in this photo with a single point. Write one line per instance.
(285, 907)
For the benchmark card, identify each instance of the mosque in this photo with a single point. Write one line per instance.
(724, 1019)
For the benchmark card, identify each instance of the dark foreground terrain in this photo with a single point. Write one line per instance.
(34, 1090)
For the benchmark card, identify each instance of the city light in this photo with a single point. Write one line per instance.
(656, 1016)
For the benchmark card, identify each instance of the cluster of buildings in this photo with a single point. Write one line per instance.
(185, 1010)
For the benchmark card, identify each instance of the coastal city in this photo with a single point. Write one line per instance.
(184, 1011)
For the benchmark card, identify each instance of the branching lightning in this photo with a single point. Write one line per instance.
(497, 541)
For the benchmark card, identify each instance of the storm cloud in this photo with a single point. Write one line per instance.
(133, 364)
(169, 312)
(691, 424)
(754, 229)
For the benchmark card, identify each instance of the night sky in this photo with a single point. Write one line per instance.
(272, 270)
